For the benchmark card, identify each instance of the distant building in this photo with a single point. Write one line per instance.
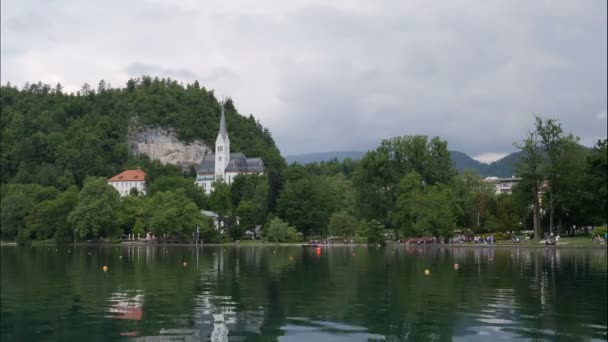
(502, 185)
(223, 165)
(127, 180)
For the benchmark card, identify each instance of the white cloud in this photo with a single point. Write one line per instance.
(602, 116)
(336, 75)
(489, 157)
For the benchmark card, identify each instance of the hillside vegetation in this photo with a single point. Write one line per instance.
(50, 137)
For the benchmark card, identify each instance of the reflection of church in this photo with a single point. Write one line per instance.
(223, 165)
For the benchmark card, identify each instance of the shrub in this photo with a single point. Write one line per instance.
(601, 231)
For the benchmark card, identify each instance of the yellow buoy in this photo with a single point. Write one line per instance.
(105, 268)
(427, 272)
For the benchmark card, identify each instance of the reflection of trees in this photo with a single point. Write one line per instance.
(260, 290)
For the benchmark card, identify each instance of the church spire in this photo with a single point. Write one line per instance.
(223, 131)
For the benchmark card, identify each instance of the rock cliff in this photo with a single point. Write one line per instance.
(164, 146)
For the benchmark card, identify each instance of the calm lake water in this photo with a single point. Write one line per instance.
(298, 294)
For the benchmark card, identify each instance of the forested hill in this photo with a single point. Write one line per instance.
(50, 137)
(504, 167)
(500, 168)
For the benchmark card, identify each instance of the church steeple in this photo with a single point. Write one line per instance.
(223, 131)
(222, 147)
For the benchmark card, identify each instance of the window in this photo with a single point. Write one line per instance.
(219, 148)
(220, 159)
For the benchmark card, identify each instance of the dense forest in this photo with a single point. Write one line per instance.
(58, 149)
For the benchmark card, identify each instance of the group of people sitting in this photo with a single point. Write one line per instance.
(421, 241)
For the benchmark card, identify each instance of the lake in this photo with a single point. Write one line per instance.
(352, 293)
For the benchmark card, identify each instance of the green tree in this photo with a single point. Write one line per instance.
(342, 223)
(435, 211)
(131, 215)
(551, 134)
(532, 172)
(278, 230)
(173, 183)
(249, 215)
(379, 173)
(220, 200)
(96, 213)
(374, 232)
(595, 184)
(173, 216)
(297, 203)
(17, 203)
(507, 215)
(49, 218)
(404, 216)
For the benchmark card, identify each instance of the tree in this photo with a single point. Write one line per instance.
(550, 133)
(278, 230)
(380, 171)
(17, 203)
(507, 215)
(297, 202)
(96, 213)
(173, 183)
(220, 199)
(435, 211)
(249, 216)
(49, 218)
(131, 214)
(595, 184)
(373, 232)
(404, 216)
(172, 214)
(232, 226)
(568, 184)
(342, 223)
(531, 170)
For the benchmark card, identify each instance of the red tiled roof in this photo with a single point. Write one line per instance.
(129, 176)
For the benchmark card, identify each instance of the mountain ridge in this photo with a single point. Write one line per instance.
(504, 167)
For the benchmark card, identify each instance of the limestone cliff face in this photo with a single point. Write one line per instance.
(164, 146)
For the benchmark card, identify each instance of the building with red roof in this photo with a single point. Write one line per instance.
(127, 180)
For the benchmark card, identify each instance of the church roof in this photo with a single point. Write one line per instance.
(208, 164)
(238, 163)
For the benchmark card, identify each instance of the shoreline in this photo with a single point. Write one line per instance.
(298, 244)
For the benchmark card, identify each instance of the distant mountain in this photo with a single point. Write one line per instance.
(504, 167)
(501, 168)
(323, 156)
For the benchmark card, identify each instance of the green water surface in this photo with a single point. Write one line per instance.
(302, 294)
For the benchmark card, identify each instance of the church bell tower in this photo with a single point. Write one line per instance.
(222, 148)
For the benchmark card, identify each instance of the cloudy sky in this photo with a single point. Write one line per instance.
(338, 75)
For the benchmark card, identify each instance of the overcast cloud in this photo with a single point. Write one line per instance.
(338, 75)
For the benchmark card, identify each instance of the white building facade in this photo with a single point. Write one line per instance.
(502, 185)
(223, 165)
(127, 180)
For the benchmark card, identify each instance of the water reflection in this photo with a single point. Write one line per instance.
(293, 294)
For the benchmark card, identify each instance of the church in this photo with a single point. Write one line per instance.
(223, 165)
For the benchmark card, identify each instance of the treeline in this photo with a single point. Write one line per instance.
(58, 150)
